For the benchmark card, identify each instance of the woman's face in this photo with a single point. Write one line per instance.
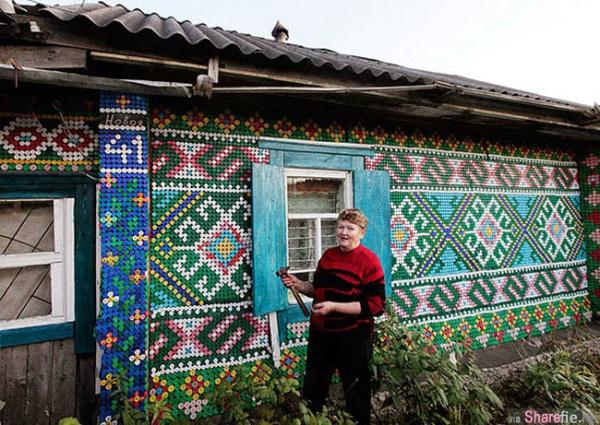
(348, 235)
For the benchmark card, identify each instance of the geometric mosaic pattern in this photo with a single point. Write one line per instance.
(122, 325)
(33, 139)
(475, 330)
(418, 168)
(201, 249)
(487, 243)
(487, 236)
(205, 335)
(202, 255)
(590, 209)
(194, 348)
(192, 122)
(201, 288)
(432, 297)
(445, 233)
(468, 237)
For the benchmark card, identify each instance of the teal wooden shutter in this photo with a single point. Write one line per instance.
(85, 253)
(268, 237)
(372, 197)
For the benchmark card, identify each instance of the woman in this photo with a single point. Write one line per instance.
(348, 291)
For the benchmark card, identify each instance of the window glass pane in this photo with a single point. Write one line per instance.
(301, 244)
(25, 292)
(314, 195)
(328, 227)
(26, 226)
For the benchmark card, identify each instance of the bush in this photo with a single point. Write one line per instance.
(422, 384)
(265, 396)
(560, 380)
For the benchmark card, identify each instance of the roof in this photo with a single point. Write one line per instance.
(136, 21)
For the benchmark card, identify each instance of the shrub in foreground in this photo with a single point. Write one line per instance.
(422, 384)
(265, 396)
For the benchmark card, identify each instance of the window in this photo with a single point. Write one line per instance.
(314, 199)
(36, 262)
(295, 201)
(47, 259)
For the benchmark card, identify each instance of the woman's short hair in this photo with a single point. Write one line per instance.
(354, 216)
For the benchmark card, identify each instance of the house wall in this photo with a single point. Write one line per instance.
(487, 241)
(43, 382)
(189, 218)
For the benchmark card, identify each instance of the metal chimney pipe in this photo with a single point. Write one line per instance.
(280, 33)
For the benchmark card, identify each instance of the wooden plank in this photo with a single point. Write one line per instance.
(63, 381)
(33, 334)
(268, 218)
(14, 388)
(294, 145)
(47, 57)
(58, 34)
(85, 390)
(37, 405)
(85, 288)
(372, 196)
(70, 79)
(29, 259)
(318, 160)
(147, 60)
(3, 376)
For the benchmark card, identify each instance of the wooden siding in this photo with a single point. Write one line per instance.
(42, 383)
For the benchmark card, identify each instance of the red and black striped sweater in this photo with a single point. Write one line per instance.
(349, 276)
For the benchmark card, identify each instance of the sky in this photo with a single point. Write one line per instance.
(549, 47)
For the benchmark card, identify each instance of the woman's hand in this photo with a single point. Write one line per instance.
(290, 281)
(324, 308)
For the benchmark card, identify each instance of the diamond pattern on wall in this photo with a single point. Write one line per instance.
(450, 233)
(202, 248)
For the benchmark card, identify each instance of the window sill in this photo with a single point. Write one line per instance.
(34, 334)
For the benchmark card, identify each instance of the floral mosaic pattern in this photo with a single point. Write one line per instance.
(590, 208)
(196, 123)
(37, 137)
(122, 325)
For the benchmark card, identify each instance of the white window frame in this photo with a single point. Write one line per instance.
(347, 195)
(61, 262)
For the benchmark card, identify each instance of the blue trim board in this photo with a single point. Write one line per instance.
(321, 161)
(308, 147)
(24, 193)
(33, 334)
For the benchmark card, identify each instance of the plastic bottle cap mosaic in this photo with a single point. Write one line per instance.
(488, 241)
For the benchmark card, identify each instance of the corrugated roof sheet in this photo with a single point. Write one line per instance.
(136, 21)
